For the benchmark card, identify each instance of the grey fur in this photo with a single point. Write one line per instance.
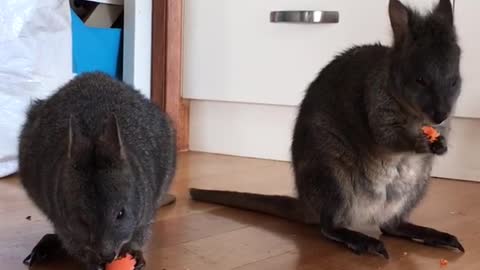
(91, 150)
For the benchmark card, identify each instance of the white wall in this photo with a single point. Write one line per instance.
(137, 44)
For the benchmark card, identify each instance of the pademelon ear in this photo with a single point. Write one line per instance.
(399, 17)
(444, 10)
(109, 146)
(78, 144)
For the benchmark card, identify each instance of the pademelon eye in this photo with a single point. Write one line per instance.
(454, 82)
(120, 214)
(421, 81)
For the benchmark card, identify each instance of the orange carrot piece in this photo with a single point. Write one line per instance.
(125, 263)
(431, 133)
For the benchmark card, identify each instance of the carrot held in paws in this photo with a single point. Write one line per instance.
(431, 133)
(125, 263)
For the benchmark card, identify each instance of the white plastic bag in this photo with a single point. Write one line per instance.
(35, 59)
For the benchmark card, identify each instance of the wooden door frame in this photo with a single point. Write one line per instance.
(166, 78)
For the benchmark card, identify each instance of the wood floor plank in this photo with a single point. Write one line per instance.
(197, 236)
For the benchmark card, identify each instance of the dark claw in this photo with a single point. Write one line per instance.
(139, 266)
(439, 147)
(460, 247)
(48, 248)
(373, 246)
(446, 240)
(140, 261)
(378, 248)
(456, 244)
(167, 199)
(382, 251)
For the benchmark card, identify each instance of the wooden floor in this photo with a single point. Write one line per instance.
(197, 236)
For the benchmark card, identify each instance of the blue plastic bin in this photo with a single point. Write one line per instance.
(96, 49)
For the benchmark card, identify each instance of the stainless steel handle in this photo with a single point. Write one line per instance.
(304, 16)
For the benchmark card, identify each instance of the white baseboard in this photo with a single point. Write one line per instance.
(265, 131)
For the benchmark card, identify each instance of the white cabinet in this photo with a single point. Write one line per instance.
(233, 53)
(466, 12)
(246, 75)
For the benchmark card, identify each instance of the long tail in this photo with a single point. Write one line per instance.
(280, 206)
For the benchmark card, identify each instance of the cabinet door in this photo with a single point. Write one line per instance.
(232, 52)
